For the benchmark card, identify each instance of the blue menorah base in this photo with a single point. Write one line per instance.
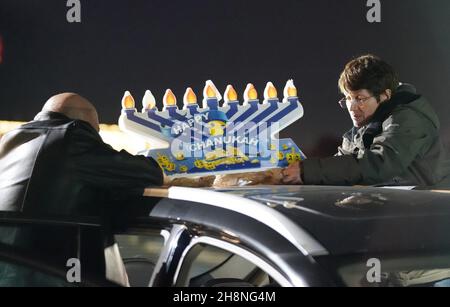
(220, 161)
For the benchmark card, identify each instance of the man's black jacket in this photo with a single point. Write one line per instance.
(58, 167)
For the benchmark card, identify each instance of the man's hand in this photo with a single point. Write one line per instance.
(291, 174)
(166, 181)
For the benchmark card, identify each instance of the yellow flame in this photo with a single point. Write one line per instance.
(190, 97)
(252, 94)
(270, 91)
(128, 101)
(210, 92)
(169, 98)
(292, 91)
(230, 93)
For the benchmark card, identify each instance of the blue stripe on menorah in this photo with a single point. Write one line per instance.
(160, 119)
(243, 118)
(273, 106)
(253, 108)
(233, 109)
(193, 130)
(212, 103)
(141, 121)
(293, 104)
(193, 110)
(173, 113)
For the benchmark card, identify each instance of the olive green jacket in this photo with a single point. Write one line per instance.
(400, 146)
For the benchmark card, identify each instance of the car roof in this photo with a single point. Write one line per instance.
(361, 219)
(341, 202)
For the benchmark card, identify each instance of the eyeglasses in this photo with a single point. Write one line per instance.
(345, 103)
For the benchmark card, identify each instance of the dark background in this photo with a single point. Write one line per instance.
(139, 45)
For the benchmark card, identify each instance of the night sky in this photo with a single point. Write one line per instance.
(137, 45)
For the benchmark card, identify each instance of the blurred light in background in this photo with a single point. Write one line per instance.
(110, 134)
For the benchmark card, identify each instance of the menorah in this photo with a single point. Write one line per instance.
(216, 139)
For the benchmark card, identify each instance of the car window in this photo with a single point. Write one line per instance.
(19, 275)
(211, 266)
(30, 254)
(140, 252)
(430, 271)
(208, 260)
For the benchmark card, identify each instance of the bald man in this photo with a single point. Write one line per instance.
(73, 106)
(58, 165)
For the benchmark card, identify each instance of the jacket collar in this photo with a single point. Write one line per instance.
(404, 94)
(60, 118)
(386, 108)
(48, 115)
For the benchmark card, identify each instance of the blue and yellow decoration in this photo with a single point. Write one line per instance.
(216, 139)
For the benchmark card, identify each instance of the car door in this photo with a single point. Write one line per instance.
(36, 252)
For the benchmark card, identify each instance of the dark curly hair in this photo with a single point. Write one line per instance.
(368, 72)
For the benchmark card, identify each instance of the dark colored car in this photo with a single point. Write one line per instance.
(270, 236)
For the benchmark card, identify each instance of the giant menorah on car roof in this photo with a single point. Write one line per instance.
(210, 138)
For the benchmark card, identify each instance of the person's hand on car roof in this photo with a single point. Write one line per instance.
(292, 174)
